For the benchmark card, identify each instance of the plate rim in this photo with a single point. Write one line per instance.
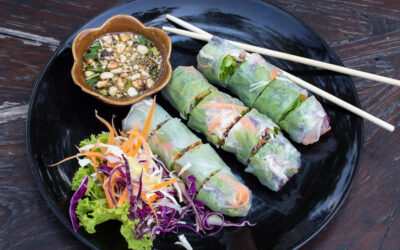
(61, 217)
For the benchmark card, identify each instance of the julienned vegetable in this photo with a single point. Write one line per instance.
(195, 159)
(261, 85)
(120, 179)
(254, 138)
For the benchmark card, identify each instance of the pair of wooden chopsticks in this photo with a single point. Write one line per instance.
(200, 34)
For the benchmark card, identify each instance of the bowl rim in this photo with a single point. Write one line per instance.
(131, 100)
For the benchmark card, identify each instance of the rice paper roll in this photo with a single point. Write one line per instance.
(214, 115)
(250, 79)
(171, 139)
(186, 85)
(306, 123)
(279, 97)
(275, 162)
(139, 112)
(218, 59)
(246, 133)
(202, 162)
(224, 193)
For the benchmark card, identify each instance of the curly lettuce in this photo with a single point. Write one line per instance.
(93, 212)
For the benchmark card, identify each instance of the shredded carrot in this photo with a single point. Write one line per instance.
(148, 121)
(274, 74)
(164, 184)
(108, 197)
(113, 127)
(125, 146)
(147, 150)
(111, 137)
(94, 163)
(247, 124)
(96, 144)
(77, 155)
(215, 122)
(294, 170)
(303, 97)
(123, 134)
(153, 198)
(223, 105)
(123, 197)
(243, 195)
(150, 205)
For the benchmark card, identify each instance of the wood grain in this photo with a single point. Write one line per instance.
(364, 33)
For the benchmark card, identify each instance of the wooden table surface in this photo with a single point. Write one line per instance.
(364, 33)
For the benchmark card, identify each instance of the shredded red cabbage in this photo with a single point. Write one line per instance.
(80, 192)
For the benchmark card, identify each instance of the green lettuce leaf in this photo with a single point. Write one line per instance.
(93, 212)
(97, 192)
(93, 139)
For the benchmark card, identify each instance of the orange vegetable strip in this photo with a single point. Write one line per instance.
(146, 124)
(131, 146)
(126, 144)
(146, 148)
(77, 155)
(223, 105)
(215, 122)
(111, 137)
(274, 74)
(153, 198)
(123, 197)
(247, 124)
(150, 205)
(164, 184)
(243, 195)
(303, 97)
(94, 162)
(123, 134)
(108, 197)
(113, 127)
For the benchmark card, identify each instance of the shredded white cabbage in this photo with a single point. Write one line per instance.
(183, 242)
(186, 167)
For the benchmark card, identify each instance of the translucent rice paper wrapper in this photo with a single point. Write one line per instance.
(275, 163)
(139, 112)
(279, 97)
(210, 58)
(170, 139)
(307, 123)
(250, 79)
(246, 133)
(201, 162)
(212, 120)
(224, 193)
(186, 83)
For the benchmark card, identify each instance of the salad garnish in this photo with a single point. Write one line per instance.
(120, 179)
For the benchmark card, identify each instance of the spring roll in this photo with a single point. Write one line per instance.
(214, 115)
(218, 59)
(224, 192)
(197, 159)
(275, 162)
(250, 78)
(139, 112)
(185, 96)
(246, 133)
(171, 139)
(306, 123)
(201, 161)
(279, 97)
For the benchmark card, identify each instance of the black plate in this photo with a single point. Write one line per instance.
(61, 115)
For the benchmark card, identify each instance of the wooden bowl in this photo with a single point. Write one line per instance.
(121, 23)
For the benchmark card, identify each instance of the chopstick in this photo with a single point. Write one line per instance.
(289, 57)
(302, 83)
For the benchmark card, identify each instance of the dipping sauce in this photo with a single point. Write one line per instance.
(122, 65)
